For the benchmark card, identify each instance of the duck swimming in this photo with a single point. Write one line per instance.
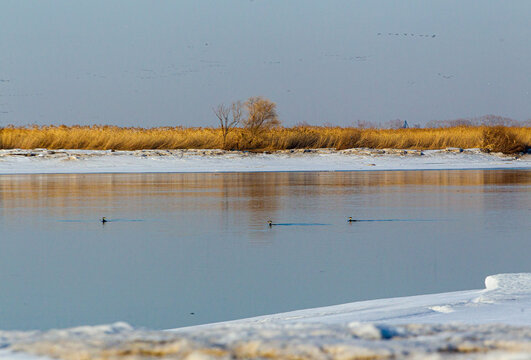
(103, 220)
(350, 219)
(270, 223)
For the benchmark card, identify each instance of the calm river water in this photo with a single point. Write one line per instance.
(184, 249)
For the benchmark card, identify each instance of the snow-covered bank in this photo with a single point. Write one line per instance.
(505, 299)
(492, 323)
(94, 161)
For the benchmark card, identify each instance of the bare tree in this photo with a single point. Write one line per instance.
(262, 115)
(449, 123)
(394, 124)
(229, 118)
(496, 120)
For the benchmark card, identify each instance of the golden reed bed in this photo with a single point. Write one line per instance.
(497, 139)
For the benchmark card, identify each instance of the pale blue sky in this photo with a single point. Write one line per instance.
(160, 63)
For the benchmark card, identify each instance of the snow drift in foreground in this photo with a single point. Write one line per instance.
(489, 324)
(96, 161)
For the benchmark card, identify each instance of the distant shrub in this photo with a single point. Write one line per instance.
(485, 120)
(261, 116)
(500, 139)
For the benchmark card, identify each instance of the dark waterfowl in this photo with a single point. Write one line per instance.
(350, 219)
(270, 223)
(103, 220)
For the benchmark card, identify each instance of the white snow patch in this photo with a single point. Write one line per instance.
(11, 355)
(505, 287)
(516, 284)
(442, 308)
(18, 161)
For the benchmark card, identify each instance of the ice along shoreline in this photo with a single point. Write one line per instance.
(42, 161)
(490, 323)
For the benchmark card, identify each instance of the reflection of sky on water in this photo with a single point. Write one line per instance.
(183, 243)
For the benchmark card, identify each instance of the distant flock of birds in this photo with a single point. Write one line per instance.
(407, 34)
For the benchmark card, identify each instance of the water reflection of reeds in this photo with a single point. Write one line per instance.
(241, 192)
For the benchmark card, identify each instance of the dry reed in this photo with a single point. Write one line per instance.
(497, 139)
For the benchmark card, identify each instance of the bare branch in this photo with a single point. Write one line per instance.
(229, 118)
